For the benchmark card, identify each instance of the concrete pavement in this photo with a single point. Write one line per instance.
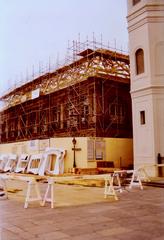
(82, 213)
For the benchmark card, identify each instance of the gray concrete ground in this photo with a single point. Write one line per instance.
(82, 213)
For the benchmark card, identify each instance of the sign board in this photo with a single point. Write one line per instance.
(35, 93)
(33, 144)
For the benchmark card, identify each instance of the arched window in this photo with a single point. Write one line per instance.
(139, 55)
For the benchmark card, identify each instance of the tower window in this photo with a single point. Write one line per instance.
(139, 55)
(142, 117)
(135, 2)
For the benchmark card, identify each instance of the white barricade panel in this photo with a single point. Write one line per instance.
(3, 161)
(10, 163)
(35, 163)
(48, 165)
(22, 163)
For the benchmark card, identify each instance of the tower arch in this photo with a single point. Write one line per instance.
(139, 61)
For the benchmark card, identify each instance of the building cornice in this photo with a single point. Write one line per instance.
(146, 14)
(144, 21)
(147, 91)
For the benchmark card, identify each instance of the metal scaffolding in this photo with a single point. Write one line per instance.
(88, 96)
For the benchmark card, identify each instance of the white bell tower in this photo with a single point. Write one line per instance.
(146, 45)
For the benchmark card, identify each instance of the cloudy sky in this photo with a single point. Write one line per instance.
(35, 33)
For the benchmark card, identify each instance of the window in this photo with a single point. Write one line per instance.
(135, 2)
(117, 109)
(142, 117)
(99, 150)
(54, 114)
(139, 55)
(117, 112)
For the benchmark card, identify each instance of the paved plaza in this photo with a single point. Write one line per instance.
(82, 213)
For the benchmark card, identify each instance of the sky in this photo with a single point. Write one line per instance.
(35, 34)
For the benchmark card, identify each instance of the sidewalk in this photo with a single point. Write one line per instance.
(82, 213)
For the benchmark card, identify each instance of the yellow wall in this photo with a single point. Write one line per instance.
(17, 148)
(66, 143)
(116, 149)
(119, 150)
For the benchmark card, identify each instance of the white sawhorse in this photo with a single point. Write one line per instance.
(135, 179)
(50, 188)
(109, 188)
(50, 195)
(31, 185)
(118, 187)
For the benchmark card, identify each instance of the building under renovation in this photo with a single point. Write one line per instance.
(87, 99)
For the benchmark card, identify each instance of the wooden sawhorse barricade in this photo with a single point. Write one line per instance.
(135, 179)
(49, 195)
(109, 188)
(108, 191)
(31, 185)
